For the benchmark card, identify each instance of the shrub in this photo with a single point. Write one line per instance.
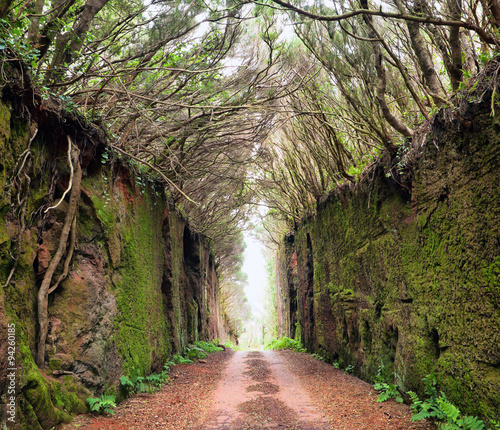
(168, 365)
(349, 369)
(387, 391)
(141, 384)
(319, 357)
(193, 352)
(209, 347)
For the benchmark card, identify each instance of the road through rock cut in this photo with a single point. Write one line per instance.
(258, 392)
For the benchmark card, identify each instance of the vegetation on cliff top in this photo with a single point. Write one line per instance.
(287, 100)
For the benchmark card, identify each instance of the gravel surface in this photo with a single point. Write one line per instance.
(257, 390)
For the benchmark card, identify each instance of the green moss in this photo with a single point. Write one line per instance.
(141, 328)
(44, 401)
(193, 321)
(177, 233)
(417, 291)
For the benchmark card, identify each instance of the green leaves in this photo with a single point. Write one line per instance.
(179, 359)
(439, 409)
(209, 347)
(387, 391)
(141, 384)
(102, 405)
(286, 343)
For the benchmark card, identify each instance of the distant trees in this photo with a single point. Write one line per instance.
(232, 283)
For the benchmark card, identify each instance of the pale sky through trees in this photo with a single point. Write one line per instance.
(255, 267)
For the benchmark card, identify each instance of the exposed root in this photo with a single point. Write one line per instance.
(69, 256)
(70, 178)
(23, 181)
(68, 226)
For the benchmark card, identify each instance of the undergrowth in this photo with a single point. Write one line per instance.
(439, 409)
(285, 343)
(436, 407)
(232, 345)
(102, 405)
(386, 389)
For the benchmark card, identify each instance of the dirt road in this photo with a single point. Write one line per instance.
(257, 390)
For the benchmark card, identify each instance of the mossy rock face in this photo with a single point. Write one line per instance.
(410, 280)
(140, 285)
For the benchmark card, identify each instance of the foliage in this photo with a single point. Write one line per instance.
(197, 351)
(102, 405)
(209, 347)
(193, 352)
(179, 359)
(140, 384)
(494, 424)
(319, 357)
(349, 368)
(286, 343)
(437, 408)
(386, 389)
(232, 345)
(168, 365)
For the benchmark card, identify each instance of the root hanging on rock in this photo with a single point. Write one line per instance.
(69, 226)
(22, 181)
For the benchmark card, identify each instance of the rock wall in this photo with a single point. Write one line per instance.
(141, 285)
(408, 278)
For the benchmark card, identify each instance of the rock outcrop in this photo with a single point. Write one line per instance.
(402, 271)
(141, 285)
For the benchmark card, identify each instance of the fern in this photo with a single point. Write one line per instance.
(449, 410)
(471, 423)
(209, 347)
(126, 382)
(140, 384)
(179, 359)
(384, 387)
(105, 404)
(193, 352)
(494, 424)
(168, 365)
(157, 379)
(387, 391)
(319, 357)
(438, 408)
(286, 343)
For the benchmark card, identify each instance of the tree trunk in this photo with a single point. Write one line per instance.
(455, 8)
(424, 57)
(394, 122)
(35, 21)
(4, 6)
(64, 51)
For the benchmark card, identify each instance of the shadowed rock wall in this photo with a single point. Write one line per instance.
(409, 277)
(141, 285)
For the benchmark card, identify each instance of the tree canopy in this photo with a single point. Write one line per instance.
(237, 104)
